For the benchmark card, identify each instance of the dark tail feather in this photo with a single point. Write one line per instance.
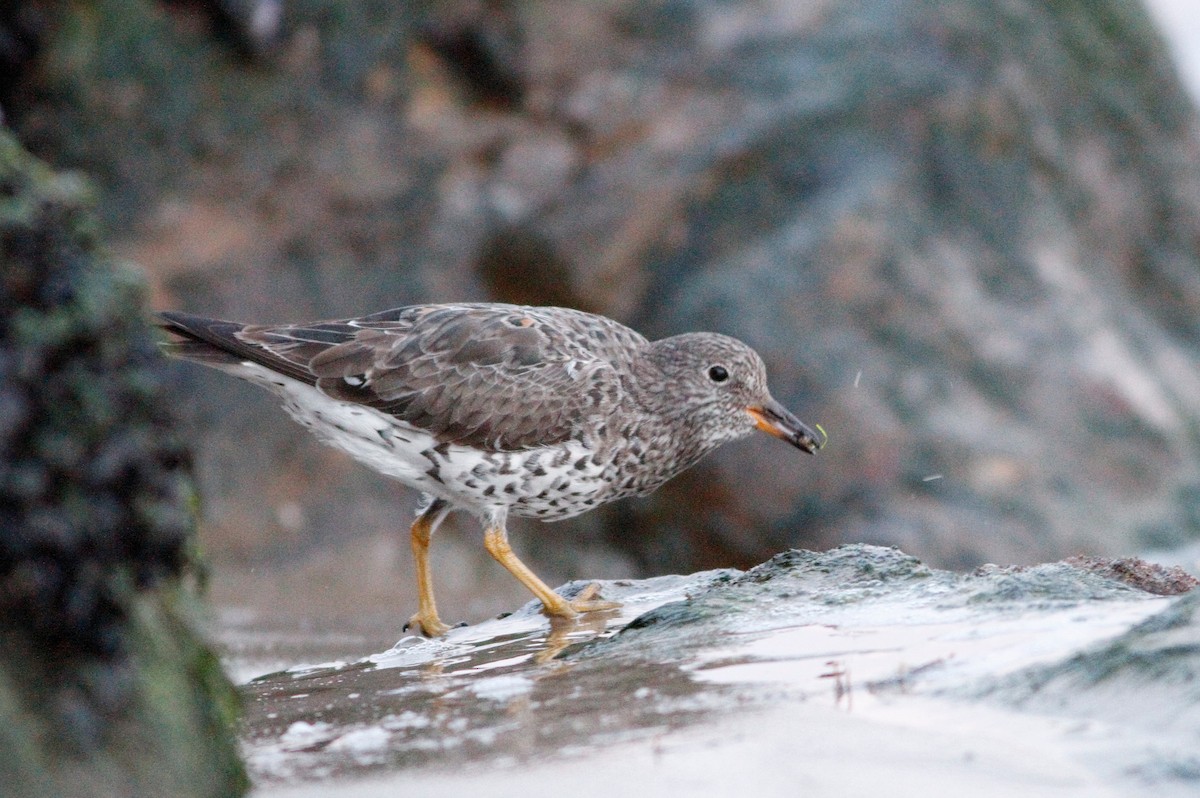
(213, 331)
(199, 352)
(209, 341)
(214, 342)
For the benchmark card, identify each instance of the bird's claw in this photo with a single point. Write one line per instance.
(428, 626)
(588, 601)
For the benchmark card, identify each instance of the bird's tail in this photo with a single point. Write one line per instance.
(209, 341)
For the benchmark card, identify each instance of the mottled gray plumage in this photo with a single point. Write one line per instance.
(503, 409)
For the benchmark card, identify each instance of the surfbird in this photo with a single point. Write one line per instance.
(502, 410)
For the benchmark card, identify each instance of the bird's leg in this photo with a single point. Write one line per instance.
(426, 621)
(495, 540)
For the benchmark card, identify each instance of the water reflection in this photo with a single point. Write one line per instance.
(507, 688)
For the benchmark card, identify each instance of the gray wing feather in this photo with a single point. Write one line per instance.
(500, 377)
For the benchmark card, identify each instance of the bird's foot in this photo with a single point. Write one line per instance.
(589, 600)
(428, 625)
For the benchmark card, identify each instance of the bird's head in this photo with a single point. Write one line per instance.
(721, 384)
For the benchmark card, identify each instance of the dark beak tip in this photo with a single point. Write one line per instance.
(776, 420)
(808, 441)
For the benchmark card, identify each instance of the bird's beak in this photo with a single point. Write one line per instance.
(775, 419)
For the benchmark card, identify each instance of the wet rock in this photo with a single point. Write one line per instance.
(1144, 683)
(923, 678)
(105, 688)
(1151, 577)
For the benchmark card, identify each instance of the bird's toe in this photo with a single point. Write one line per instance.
(589, 600)
(427, 625)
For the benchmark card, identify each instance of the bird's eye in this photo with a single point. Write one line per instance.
(718, 374)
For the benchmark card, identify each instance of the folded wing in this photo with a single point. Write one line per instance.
(497, 377)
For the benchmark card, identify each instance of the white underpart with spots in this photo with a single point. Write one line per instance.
(550, 483)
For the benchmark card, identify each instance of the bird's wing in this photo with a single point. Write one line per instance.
(500, 377)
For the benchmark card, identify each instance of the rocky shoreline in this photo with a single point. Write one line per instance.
(1055, 677)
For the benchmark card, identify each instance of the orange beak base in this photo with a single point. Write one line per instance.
(774, 419)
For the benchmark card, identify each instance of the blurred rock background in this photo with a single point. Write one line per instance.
(963, 234)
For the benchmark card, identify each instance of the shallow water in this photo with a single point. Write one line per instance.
(501, 690)
(854, 672)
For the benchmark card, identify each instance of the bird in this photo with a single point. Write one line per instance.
(502, 410)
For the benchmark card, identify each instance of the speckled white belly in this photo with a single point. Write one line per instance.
(550, 483)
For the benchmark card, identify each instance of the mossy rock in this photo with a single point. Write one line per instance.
(104, 686)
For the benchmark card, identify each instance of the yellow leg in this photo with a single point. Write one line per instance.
(426, 621)
(495, 540)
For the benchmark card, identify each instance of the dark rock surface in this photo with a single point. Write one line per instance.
(962, 234)
(855, 671)
(104, 688)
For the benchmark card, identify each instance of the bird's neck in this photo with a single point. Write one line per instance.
(649, 386)
(655, 393)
